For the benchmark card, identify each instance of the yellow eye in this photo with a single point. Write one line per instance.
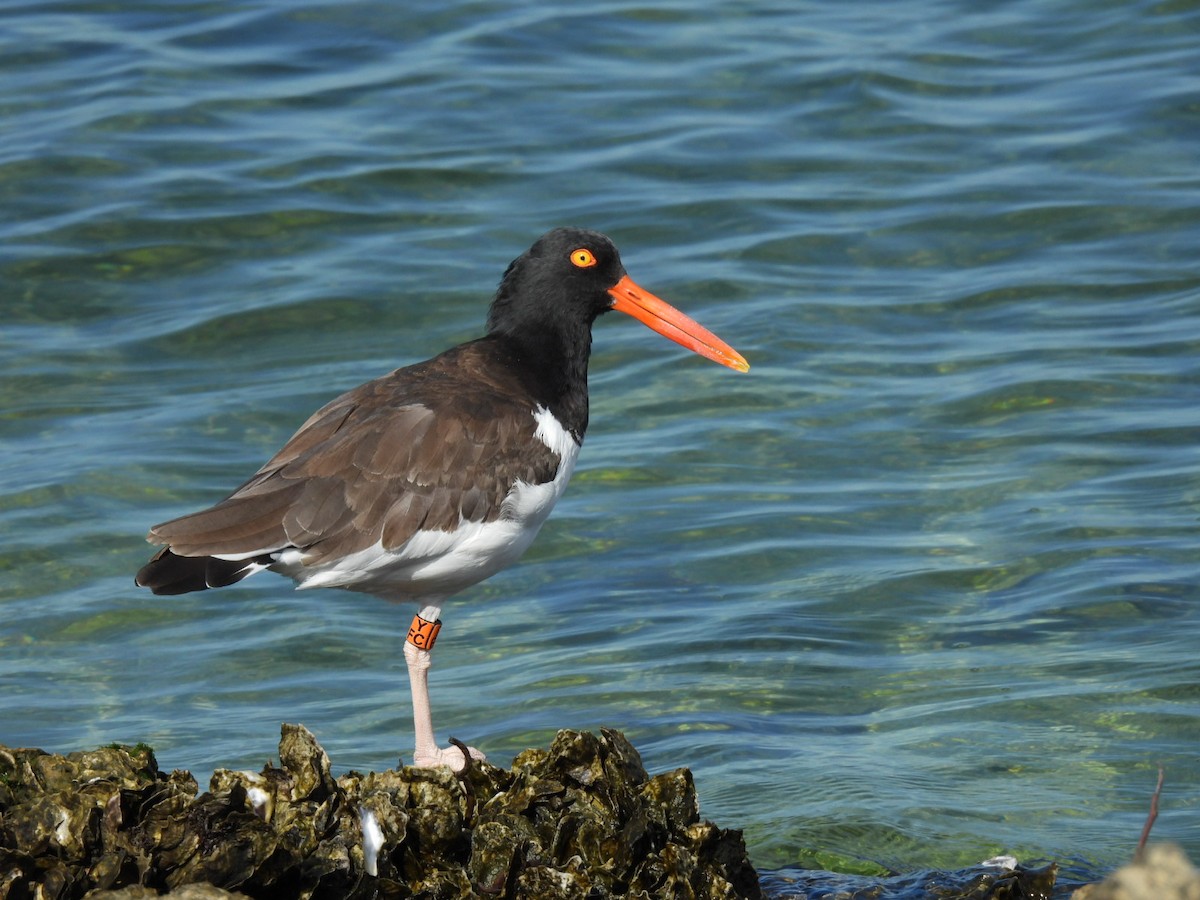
(583, 258)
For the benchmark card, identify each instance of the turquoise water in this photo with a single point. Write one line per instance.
(918, 589)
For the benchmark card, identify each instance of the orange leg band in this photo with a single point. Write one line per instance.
(422, 633)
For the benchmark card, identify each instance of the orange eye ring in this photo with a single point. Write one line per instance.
(583, 258)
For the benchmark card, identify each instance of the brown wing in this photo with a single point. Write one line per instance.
(425, 447)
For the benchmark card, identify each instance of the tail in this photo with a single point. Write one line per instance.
(169, 573)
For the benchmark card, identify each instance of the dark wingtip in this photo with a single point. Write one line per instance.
(168, 573)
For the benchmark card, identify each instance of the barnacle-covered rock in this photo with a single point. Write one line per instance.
(1161, 872)
(584, 818)
(187, 892)
(579, 819)
(65, 820)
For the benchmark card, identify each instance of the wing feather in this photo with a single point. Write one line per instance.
(426, 447)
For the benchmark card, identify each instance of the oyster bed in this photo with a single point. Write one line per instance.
(581, 818)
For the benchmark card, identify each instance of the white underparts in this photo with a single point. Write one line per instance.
(436, 564)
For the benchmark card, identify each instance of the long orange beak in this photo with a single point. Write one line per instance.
(662, 317)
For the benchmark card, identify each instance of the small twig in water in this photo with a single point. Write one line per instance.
(1151, 817)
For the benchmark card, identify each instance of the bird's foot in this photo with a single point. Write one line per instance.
(447, 756)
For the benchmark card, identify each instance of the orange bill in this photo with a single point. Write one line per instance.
(671, 323)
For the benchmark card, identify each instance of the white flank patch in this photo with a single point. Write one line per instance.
(372, 837)
(436, 564)
(551, 433)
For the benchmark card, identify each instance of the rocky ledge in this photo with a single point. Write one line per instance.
(581, 819)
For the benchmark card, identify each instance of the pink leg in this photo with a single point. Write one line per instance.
(427, 753)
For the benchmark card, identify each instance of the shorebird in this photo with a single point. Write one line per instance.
(438, 475)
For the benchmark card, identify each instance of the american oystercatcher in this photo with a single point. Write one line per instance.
(428, 480)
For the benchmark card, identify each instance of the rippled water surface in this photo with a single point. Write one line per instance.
(918, 589)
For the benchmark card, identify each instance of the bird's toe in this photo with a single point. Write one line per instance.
(447, 756)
